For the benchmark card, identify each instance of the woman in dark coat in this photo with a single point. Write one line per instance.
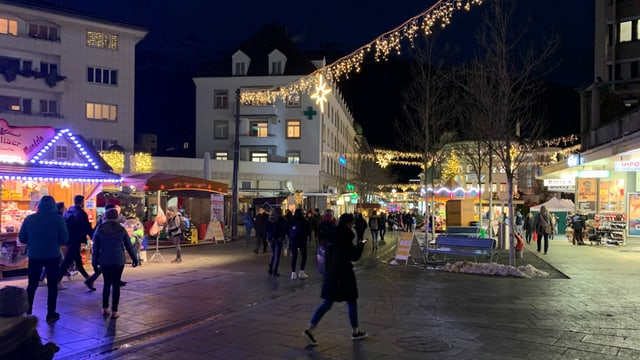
(339, 279)
(109, 243)
(361, 226)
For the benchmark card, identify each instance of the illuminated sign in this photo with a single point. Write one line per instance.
(594, 173)
(351, 187)
(560, 182)
(574, 160)
(19, 144)
(627, 165)
(342, 160)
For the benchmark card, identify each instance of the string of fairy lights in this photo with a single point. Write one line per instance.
(385, 157)
(381, 48)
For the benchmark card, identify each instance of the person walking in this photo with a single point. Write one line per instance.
(577, 224)
(528, 227)
(109, 243)
(554, 225)
(299, 231)
(80, 231)
(519, 222)
(174, 233)
(325, 227)
(543, 228)
(247, 220)
(360, 226)
(276, 232)
(262, 218)
(44, 232)
(382, 226)
(96, 270)
(339, 281)
(374, 224)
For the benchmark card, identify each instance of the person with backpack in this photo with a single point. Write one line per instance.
(577, 224)
(339, 281)
(79, 232)
(299, 231)
(175, 232)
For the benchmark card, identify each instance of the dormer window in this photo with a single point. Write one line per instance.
(240, 69)
(277, 63)
(276, 68)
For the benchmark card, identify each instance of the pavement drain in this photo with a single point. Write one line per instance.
(423, 344)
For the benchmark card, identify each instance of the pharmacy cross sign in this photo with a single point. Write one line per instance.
(310, 113)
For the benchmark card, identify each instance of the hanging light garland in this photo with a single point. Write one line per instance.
(381, 47)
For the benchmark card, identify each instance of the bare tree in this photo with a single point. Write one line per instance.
(427, 105)
(371, 178)
(502, 87)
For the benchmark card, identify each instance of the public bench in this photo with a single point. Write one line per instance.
(460, 246)
(464, 231)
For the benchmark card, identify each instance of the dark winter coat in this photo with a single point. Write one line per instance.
(339, 279)
(277, 228)
(325, 229)
(19, 340)
(44, 232)
(261, 224)
(109, 243)
(528, 224)
(78, 225)
(299, 228)
(360, 225)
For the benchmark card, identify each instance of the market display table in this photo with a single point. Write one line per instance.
(13, 254)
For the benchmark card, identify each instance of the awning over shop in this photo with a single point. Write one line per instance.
(46, 173)
(171, 182)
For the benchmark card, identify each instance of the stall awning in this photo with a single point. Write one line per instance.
(45, 173)
(171, 182)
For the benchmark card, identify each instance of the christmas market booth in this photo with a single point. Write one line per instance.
(39, 161)
(191, 195)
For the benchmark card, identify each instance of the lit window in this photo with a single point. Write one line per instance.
(220, 129)
(102, 76)
(259, 157)
(293, 129)
(8, 27)
(221, 155)
(221, 99)
(625, 31)
(293, 157)
(102, 112)
(102, 40)
(259, 129)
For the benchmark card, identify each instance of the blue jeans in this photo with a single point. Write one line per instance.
(374, 238)
(352, 308)
(276, 248)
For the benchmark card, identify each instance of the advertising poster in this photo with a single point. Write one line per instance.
(634, 213)
(217, 208)
(586, 195)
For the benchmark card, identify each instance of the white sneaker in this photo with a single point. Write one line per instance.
(293, 276)
(302, 275)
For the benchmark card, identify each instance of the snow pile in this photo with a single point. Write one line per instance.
(527, 271)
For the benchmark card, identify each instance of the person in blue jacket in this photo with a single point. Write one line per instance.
(44, 233)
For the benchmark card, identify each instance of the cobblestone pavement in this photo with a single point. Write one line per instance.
(221, 304)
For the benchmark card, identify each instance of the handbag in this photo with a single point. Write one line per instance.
(546, 229)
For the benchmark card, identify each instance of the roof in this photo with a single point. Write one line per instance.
(171, 182)
(555, 204)
(44, 173)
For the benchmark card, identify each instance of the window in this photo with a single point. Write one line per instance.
(39, 31)
(259, 157)
(102, 40)
(97, 111)
(624, 31)
(259, 128)
(276, 68)
(240, 69)
(293, 101)
(8, 27)
(26, 106)
(27, 65)
(221, 155)
(8, 102)
(293, 157)
(220, 99)
(48, 107)
(293, 129)
(102, 76)
(221, 129)
(61, 152)
(48, 68)
(102, 144)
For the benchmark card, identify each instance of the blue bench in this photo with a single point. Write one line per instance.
(464, 231)
(461, 246)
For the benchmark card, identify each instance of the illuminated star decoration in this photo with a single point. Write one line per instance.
(321, 93)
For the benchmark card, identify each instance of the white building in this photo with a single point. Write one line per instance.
(287, 147)
(68, 71)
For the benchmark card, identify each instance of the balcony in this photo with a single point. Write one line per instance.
(255, 141)
(267, 111)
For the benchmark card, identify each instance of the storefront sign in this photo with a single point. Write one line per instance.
(627, 165)
(594, 174)
(217, 208)
(574, 160)
(19, 144)
(560, 182)
(633, 212)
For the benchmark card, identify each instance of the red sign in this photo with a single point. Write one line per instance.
(19, 144)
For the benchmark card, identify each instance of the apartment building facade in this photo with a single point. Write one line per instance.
(66, 70)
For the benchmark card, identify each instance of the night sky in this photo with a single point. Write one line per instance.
(184, 37)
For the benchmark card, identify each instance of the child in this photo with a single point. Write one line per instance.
(19, 338)
(136, 232)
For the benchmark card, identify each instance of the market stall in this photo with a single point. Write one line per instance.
(38, 161)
